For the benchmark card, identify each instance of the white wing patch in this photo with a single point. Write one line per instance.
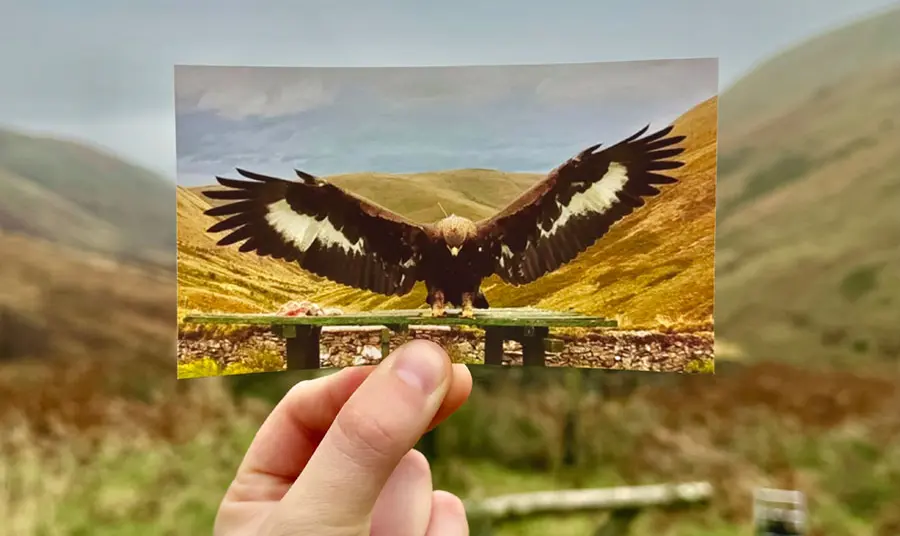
(303, 231)
(598, 198)
(505, 255)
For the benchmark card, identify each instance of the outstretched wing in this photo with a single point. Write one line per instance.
(327, 230)
(576, 204)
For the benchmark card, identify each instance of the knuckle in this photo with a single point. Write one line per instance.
(363, 434)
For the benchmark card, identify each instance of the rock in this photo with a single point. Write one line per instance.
(618, 350)
(372, 353)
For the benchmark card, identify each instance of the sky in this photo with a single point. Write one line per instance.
(101, 71)
(411, 119)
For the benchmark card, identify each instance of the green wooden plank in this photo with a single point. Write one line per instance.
(410, 317)
(374, 318)
(499, 312)
(418, 313)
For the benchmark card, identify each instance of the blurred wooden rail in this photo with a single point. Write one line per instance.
(623, 503)
(529, 326)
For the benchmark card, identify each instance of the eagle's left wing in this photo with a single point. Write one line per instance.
(576, 204)
(322, 227)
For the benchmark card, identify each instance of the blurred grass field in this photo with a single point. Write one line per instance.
(91, 461)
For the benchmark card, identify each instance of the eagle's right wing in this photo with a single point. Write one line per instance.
(325, 229)
(577, 203)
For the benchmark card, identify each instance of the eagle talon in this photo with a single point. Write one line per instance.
(467, 313)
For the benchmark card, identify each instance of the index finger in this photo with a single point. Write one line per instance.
(290, 434)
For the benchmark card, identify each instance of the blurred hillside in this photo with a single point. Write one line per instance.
(810, 70)
(77, 196)
(656, 263)
(58, 300)
(808, 245)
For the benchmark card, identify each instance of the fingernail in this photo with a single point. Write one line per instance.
(421, 365)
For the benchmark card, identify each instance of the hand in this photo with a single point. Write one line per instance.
(335, 457)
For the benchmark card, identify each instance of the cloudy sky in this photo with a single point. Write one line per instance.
(406, 119)
(102, 70)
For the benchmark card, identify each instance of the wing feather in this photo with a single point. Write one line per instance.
(325, 229)
(577, 203)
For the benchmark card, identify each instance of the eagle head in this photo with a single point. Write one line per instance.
(455, 230)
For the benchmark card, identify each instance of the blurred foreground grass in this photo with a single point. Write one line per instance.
(89, 458)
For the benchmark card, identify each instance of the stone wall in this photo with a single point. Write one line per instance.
(622, 350)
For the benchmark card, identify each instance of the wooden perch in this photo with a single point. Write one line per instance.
(527, 325)
(352, 329)
(570, 501)
(376, 329)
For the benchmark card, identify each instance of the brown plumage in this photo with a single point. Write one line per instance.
(350, 240)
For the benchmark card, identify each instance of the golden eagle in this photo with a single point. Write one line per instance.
(350, 240)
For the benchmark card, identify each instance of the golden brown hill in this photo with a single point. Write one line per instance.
(656, 263)
(809, 227)
(82, 197)
(58, 301)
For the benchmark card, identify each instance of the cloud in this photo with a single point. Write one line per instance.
(629, 80)
(240, 92)
(514, 117)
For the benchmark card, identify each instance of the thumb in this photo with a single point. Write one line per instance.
(372, 432)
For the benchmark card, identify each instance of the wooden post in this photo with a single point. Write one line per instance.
(533, 346)
(385, 342)
(571, 431)
(626, 501)
(302, 344)
(493, 345)
(428, 445)
(618, 523)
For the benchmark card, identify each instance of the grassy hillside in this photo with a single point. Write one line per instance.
(809, 226)
(665, 250)
(56, 300)
(75, 195)
(810, 70)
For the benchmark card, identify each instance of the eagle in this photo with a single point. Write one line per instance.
(348, 239)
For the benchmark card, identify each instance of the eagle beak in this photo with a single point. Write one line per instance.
(454, 251)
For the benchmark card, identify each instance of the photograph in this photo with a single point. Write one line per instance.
(556, 215)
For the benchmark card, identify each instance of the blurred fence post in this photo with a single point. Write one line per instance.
(618, 523)
(624, 504)
(571, 436)
(428, 445)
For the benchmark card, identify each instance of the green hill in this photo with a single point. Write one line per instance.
(809, 70)
(75, 195)
(656, 265)
(808, 223)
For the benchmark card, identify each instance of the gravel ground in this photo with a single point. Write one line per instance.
(620, 350)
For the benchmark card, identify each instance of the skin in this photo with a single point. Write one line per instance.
(335, 457)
